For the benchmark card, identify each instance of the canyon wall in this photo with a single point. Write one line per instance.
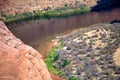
(12, 7)
(19, 61)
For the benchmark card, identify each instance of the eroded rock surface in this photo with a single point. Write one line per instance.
(12, 7)
(19, 61)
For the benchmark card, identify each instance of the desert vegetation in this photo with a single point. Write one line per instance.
(87, 54)
(46, 14)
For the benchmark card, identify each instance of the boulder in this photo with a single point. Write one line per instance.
(19, 61)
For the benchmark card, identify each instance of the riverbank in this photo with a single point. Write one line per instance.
(44, 14)
(13, 7)
(35, 30)
(90, 52)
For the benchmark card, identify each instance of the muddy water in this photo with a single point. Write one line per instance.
(38, 33)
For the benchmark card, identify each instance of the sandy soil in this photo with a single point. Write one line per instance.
(116, 57)
(44, 49)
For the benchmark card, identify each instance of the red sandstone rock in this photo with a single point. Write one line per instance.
(19, 61)
(12, 7)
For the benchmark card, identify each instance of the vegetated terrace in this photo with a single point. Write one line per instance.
(88, 53)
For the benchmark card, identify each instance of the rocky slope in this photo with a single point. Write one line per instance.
(19, 61)
(12, 7)
(93, 53)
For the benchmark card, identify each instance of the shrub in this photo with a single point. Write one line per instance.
(62, 12)
(65, 62)
(72, 78)
(52, 57)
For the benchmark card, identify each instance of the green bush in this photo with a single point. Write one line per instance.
(72, 78)
(65, 62)
(63, 12)
(52, 57)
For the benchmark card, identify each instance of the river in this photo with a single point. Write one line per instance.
(38, 33)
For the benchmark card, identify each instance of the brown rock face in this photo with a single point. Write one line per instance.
(13, 7)
(19, 61)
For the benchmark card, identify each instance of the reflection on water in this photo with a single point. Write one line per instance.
(40, 30)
